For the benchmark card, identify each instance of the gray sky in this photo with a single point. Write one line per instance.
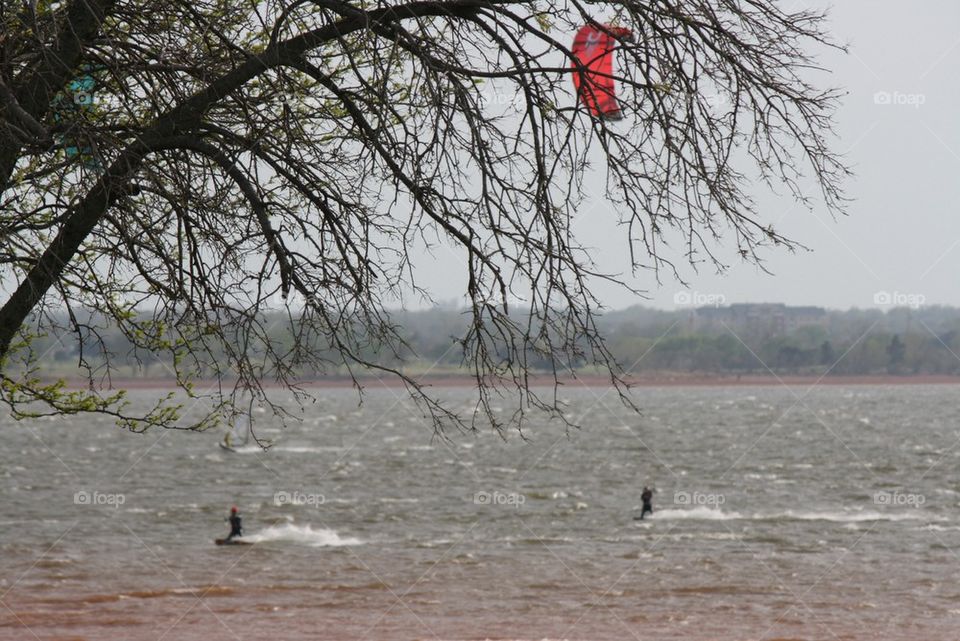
(902, 232)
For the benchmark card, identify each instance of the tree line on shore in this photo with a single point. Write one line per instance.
(739, 339)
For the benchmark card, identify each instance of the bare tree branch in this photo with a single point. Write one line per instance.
(175, 168)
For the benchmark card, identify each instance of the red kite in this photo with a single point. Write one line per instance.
(593, 49)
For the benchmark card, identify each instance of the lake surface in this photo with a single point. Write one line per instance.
(825, 513)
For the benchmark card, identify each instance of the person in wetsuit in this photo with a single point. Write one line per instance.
(236, 526)
(647, 497)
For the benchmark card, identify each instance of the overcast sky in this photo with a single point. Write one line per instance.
(900, 241)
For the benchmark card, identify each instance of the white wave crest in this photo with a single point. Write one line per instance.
(850, 517)
(303, 534)
(700, 512)
(704, 513)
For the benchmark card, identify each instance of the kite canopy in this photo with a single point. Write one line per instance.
(593, 49)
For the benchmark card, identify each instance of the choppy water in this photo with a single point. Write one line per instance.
(834, 516)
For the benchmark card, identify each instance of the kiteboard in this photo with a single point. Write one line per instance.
(231, 542)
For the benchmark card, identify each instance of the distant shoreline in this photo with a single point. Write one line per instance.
(656, 380)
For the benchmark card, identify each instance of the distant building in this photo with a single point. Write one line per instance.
(769, 319)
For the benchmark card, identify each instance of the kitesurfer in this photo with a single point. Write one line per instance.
(647, 497)
(236, 527)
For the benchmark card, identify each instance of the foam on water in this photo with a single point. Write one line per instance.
(704, 513)
(250, 448)
(303, 534)
(700, 513)
(850, 517)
